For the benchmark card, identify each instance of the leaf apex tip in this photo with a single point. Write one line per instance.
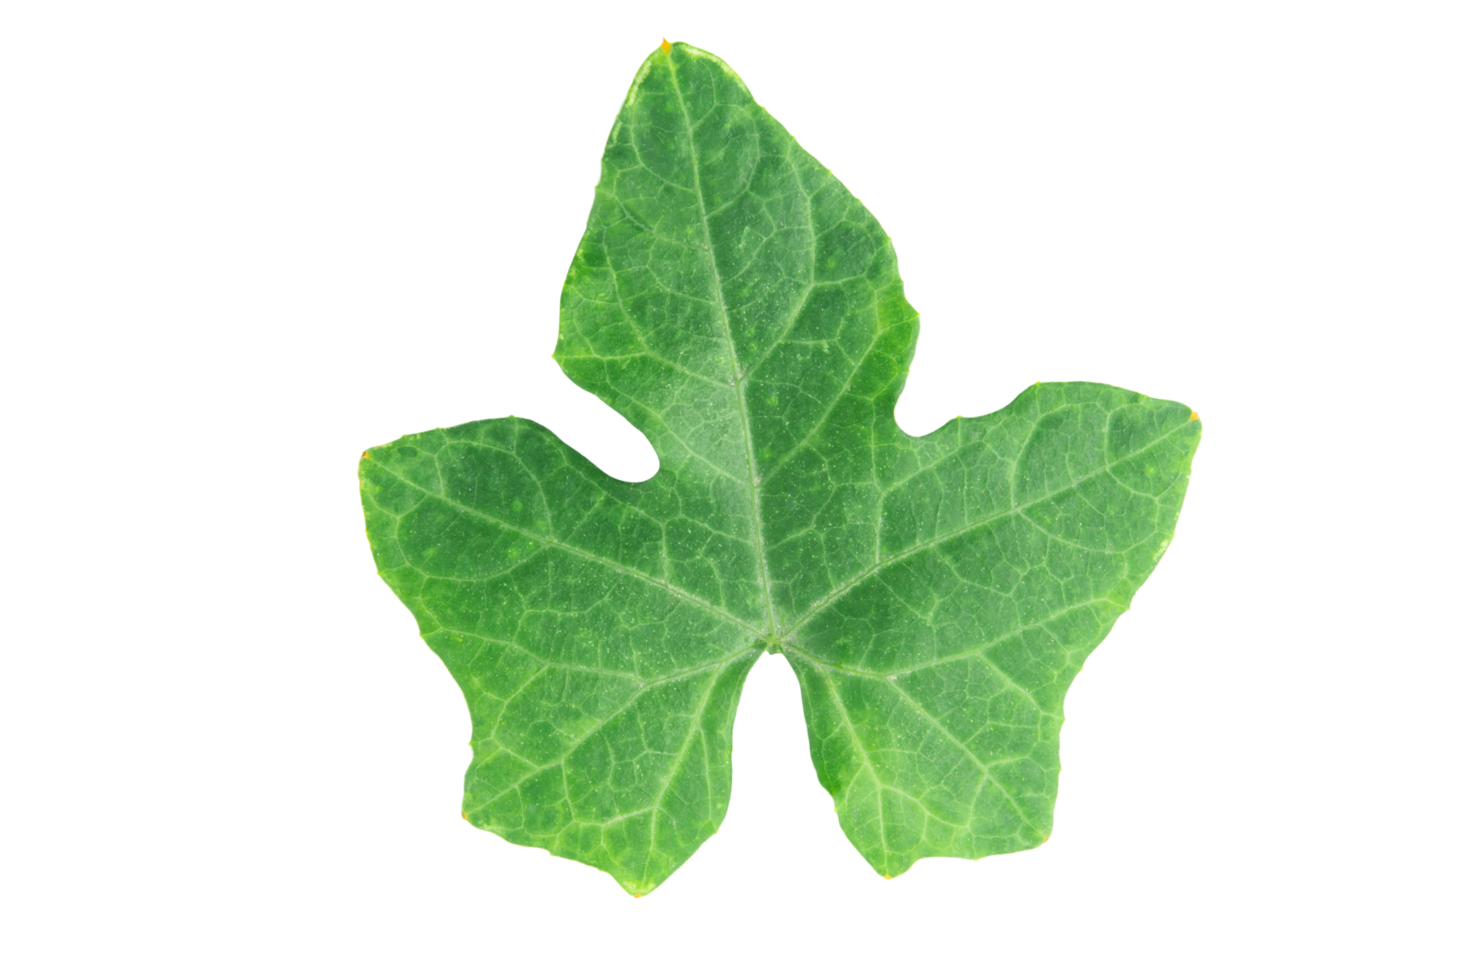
(665, 47)
(1193, 417)
(463, 815)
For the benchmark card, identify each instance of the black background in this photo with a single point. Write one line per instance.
(1048, 228)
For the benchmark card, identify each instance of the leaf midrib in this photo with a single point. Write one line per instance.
(736, 375)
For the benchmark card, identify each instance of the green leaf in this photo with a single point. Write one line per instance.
(934, 595)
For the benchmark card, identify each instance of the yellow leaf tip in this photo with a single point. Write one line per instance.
(888, 877)
(665, 47)
(463, 815)
(1193, 417)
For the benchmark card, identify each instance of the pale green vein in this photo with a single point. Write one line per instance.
(862, 750)
(938, 726)
(762, 569)
(848, 586)
(613, 715)
(980, 651)
(812, 432)
(671, 589)
(694, 727)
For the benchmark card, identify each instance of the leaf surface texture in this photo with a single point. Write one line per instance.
(934, 595)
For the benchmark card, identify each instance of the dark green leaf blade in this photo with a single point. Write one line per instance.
(935, 595)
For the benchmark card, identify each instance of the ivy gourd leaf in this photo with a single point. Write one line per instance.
(934, 595)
